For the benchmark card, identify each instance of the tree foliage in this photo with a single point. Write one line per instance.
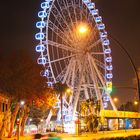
(47, 99)
(90, 109)
(20, 80)
(129, 106)
(60, 87)
(19, 76)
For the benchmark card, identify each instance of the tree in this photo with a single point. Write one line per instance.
(47, 99)
(25, 117)
(37, 114)
(91, 110)
(129, 106)
(92, 122)
(60, 89)
(20, 79)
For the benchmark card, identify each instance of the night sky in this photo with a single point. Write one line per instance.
(122, 20)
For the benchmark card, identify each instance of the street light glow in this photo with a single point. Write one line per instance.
(115, 99)
(22, 102)
(30, 119)
(68, 90)
(82, 29)
(135, 103)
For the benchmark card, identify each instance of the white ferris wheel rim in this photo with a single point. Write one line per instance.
(95, 53)
(48, 47)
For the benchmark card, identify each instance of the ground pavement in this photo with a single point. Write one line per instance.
(89, 136)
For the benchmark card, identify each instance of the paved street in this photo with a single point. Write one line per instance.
(89, 136)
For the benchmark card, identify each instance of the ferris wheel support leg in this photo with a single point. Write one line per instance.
(86, 93)
(112, 103)
(98, 92)
(96, 69)
(49, 118)
(76, 101)
(67, 72)
(78, 90)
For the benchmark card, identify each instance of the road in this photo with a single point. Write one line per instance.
(89, 136)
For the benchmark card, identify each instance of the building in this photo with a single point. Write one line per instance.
(3, 106)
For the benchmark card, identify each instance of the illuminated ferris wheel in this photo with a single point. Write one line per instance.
(74, 49)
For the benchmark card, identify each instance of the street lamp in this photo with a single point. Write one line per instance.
(135, 102)
(30, 119)
(131, 61)
(68, 90)
(82, 29)
(115, 99)
(22, 103)
(18, 120)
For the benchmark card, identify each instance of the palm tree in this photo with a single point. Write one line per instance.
(60, 89)
(92, 108)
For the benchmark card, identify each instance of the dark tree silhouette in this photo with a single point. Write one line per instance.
(20, 79)
(60, 89)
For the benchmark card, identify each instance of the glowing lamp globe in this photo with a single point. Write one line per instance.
(82, 29)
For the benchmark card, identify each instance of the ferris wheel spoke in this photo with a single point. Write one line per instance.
(60, 59)
(73, 73)
(93, 36)
(70, 36)
(61, 75)
(97, 70)
(94, 79)
(69, 16)
(99, 63)
(97, 53)
(67, 71)
(61, 46)
(80, 6)
(74, 3)
(59, 32)
(63, 19)
(94, 44)
(86, 12)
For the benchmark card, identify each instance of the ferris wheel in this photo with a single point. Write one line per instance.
(74, 49)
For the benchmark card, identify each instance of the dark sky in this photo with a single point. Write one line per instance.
(122, 20)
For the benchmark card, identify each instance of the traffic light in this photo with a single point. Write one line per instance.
(108, 87)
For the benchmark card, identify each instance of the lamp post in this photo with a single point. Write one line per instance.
(22, 103)
(136, 103)
(29, 123)
(123, 105)
(131, 61)
(18, 120)
(116, 100)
